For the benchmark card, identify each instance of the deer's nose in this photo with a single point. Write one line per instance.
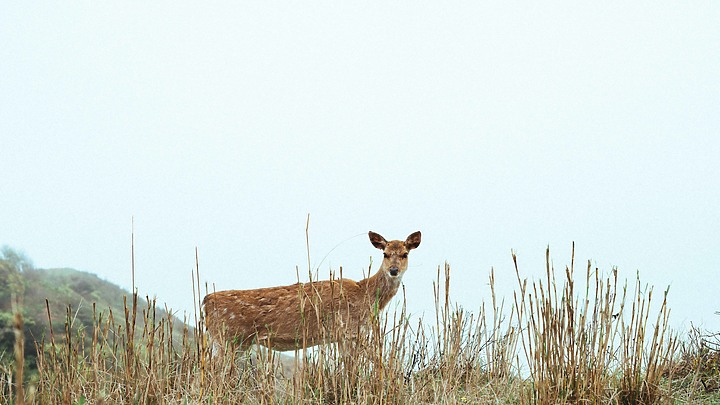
(393, 271)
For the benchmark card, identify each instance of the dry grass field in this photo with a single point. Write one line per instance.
(556, 342)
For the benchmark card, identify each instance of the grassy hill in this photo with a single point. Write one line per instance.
(75, 300)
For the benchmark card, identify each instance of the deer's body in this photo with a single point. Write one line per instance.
(293, 316)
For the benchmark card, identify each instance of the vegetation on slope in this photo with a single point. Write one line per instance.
(79, 298)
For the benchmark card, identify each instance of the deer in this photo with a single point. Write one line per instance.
(296, 316)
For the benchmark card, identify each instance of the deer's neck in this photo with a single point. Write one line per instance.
(380, 288)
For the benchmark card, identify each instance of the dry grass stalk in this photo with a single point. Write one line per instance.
(698, 368)
(581, 348)
(19, 351)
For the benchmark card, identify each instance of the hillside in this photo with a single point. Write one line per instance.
(74, 298)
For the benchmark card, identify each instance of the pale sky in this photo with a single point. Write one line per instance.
(489, 126)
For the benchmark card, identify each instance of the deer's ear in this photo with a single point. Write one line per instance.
(413, 241)
(377, 240)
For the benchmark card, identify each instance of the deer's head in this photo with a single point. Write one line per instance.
(395, 252)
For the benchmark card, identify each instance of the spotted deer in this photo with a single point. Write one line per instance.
(296, 316)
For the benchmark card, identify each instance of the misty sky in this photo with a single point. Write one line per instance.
(487, 126)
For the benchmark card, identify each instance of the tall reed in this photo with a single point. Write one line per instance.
(583, 347)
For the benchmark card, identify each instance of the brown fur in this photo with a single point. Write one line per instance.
(280, 317)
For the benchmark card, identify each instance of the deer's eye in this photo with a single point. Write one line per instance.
(387, 256)
(404, 255)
